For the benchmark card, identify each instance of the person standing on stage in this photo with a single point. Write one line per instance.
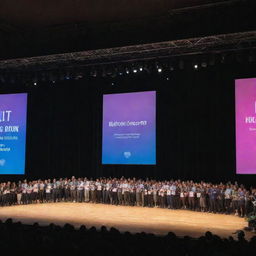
(58, 191)
(253, 200)
(143, 188)
(73, 191)
(29, 192)
(221, 199)
(6, 195)
(93, 192)
(98, 191)
(227, 199)
(202, 200)
(162, 198)
(35, 192)
(13, 195)
(132, 194)
(80, 190)
(155, 194)
(19, 193)
(125, 192)
(235, 200)
(24, 186)
(138, 194)
(213, 193)
(54, 191)
(86, 190)
(41, 191)
(48, 191)
(173, 189)
(168, 197)
(150, 196)
(114, 193)
(191, 198)
(241, 202)
(107, 193)
(66, 187)
(119, 193)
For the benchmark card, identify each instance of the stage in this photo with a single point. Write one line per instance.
(126, 218)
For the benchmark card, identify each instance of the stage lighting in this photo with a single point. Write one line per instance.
(195, 66)
(35, 83)
(159, 70)
(135, 70)
(127, 71)
(204, 64)
(141, 69)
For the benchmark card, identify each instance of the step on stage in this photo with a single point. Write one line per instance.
(127, 218)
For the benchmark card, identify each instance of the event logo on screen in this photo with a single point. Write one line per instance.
(129, 128)
(246, 126)
(13, 115)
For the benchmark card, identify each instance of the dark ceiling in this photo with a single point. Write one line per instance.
(32, 28)
(53, 12)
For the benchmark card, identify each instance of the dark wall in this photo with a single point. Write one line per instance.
(19, 40)
(53, 12)
(195, 125)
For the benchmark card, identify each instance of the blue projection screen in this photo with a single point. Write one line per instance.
(13, 119)
(129, 133)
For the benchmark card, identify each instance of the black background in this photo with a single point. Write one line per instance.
(195, 125)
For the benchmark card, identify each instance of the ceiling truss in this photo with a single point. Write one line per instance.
(193, 46)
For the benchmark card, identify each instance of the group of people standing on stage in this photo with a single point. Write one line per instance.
(217, 198)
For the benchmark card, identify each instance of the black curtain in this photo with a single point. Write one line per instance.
(195, 125)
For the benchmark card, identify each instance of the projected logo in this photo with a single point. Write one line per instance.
(127, 154)
(2, 162)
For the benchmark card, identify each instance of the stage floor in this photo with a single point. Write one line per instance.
(126, 218)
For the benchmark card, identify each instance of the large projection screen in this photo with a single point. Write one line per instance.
(13, 118)
(246, 126)
(129, 132)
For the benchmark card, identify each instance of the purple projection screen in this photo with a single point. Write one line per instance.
(246, 126)
(128, 135)
(13, 122)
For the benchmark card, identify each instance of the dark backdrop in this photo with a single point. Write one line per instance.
(195, 125)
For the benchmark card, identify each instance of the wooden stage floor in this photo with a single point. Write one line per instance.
(126, 218)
